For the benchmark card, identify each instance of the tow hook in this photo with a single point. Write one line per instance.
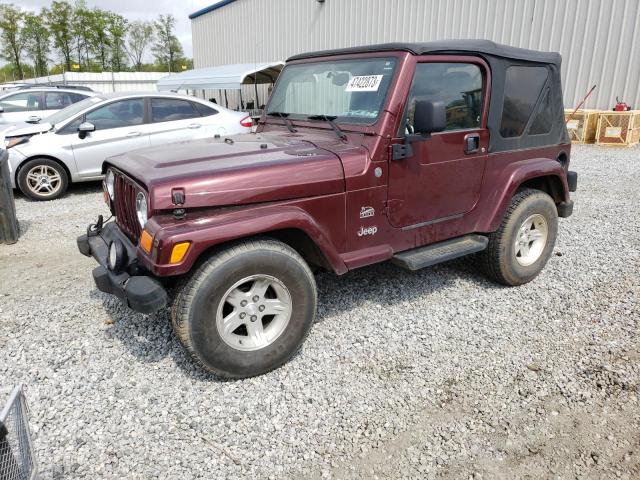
(95, 228)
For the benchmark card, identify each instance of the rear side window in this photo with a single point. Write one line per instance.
(171, 109)
(457, 85)
(522, 89)
(58, 100)
(205, 110)
(543, 120)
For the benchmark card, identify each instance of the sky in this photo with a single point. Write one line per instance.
(141, 10)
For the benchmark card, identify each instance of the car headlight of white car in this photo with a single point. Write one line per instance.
(109, 182)
(13, 141)
(141, 208)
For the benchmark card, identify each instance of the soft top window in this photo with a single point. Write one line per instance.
(522, 90)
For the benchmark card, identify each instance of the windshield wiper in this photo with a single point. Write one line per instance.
(284, 118)
(330, 119)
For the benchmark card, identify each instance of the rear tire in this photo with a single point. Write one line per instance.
(43, 179)
(518, 251)
(247, 309)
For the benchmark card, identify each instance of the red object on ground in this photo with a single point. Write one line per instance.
(621, 106)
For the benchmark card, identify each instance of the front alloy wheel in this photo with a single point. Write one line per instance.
(246, 309)
(42, 179)
(254, 312)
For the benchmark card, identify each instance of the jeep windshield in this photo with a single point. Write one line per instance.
(352, 91)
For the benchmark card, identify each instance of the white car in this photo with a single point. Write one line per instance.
(34, 104)
(70, 145)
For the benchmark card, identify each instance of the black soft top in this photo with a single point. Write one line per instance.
(500, 58)
(486, 47)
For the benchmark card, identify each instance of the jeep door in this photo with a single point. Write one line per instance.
(441, 178)
(119, 128)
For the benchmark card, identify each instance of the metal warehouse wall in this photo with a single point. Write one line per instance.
(599, 39)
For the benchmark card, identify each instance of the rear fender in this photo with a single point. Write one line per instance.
(210, 230)
(519, 174)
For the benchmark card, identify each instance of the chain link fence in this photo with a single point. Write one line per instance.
(17, 460)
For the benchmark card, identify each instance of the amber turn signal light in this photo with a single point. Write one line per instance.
(146, 241)
(179, 251)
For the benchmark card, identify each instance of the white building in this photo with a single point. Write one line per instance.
(104, 82)
(599, 39)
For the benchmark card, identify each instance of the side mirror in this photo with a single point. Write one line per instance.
(429, 117)
(84, 128)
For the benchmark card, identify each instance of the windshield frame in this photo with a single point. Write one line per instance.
(397, 56)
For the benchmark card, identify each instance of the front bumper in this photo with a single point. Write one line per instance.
(131, 285)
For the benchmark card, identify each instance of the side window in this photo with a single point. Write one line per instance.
(544, 118)
(205, 110)
(57, 100)
(22, 102)
(170, 109)
(522, 88)
(124, 113)
(76, 97)
(457, 85)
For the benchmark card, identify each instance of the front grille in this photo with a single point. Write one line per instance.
(125, 206)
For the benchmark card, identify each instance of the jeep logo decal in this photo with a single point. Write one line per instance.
(367, 212)
(367, 231)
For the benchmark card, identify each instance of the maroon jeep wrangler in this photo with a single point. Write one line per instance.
(414, 153)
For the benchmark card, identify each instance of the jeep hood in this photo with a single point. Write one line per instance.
(242, 169)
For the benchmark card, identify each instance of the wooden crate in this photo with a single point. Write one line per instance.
(583, 125)
(619, 128)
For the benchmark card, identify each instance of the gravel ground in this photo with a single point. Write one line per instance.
(433, 374)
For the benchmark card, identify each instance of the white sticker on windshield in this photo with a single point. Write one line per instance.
(364, 83)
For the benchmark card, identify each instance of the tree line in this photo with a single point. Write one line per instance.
(74, 37)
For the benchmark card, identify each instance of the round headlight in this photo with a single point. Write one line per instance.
(117, 256)
(109, 181)
(141, 208)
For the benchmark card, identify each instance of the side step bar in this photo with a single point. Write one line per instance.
(440, 252)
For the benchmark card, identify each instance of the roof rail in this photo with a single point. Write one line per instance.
(45, 85)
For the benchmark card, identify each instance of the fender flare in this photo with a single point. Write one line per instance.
(521, 172)
(222, 227)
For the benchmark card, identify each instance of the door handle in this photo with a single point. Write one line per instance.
(195, 125)
(471, 143)
(133, 134)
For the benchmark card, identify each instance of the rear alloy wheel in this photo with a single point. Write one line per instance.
(518, 251)
(42, 179)
(247, 309)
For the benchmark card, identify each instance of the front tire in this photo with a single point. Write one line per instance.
(247, 309)
(518, 251)
(43, 179)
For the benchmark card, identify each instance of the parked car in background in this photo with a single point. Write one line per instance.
(71, 145)
(35, 103)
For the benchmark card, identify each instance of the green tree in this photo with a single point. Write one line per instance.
(60, 20)
(117, 28)
(167, 48)
(99, 39)
(139, 37)
(82, 31)
(36, 37)
(11, 23)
